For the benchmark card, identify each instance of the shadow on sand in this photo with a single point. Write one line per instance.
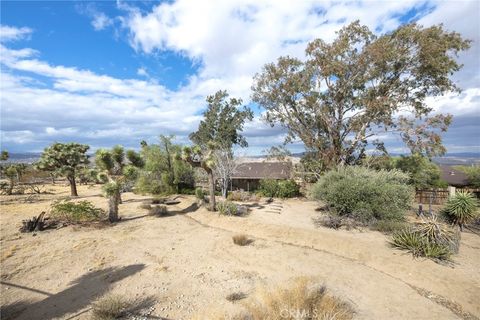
(75, 299)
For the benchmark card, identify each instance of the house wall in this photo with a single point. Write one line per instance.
(245, 184)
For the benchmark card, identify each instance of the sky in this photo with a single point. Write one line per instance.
(106, 72)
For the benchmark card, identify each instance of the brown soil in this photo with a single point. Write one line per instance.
(187, 263)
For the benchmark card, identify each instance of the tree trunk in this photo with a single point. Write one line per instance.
(73, 186)
(120, 197)
(225, 188)
(211, 187)
(10, 188)
(113, 207)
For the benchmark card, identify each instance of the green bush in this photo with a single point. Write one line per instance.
(388, 226)
(473, 174)
(279, 188)
(83, 211)
(365, 194)
(227, 208)
(461, 209)
(199, 194)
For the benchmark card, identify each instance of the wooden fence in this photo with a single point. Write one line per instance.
(439, 196)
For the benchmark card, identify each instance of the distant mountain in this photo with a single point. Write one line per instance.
(23, 157)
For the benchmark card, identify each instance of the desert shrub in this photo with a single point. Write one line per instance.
(301, 299)
(461, 209)
(200, 194)
(336, 222)
(187, 190)
(473, 174)
(227, 208)
(158, 210)
(110, 307)
(279, 188)
(241, 240)
(429, 238)
(388, 226)
(422, 171)
(365, 194)
(82, 211)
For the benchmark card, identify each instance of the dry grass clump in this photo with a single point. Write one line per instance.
(235, 296)
(301, 299)
(241, 240)
(76, 212)
(336, 222)
(158, 210)
(110, 307)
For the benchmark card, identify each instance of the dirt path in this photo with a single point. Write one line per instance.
(186, 263)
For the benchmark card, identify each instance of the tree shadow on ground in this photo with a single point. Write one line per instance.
(191, 208)
(82, 292)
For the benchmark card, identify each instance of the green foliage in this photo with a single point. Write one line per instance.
(222, 123)
(199, 194)
(163, 172)
(111, 188)
(13, 172)
(370, 78)
(365, 194)
(227, 208)
(473, 174)
(135, 159)
(461, 209)
(388, 226)
(429, 238)
(104, 160)
(82, 211)
(4, 155)
(64, 159)
(423, 172)
(279, 188)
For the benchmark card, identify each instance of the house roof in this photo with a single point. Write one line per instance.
(453, 176)
(263, 170)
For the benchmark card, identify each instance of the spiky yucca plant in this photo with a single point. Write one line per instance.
(461, 209)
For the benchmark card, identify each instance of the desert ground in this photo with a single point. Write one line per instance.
(185, 264)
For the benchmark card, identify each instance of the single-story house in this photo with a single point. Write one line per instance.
(453, 177)
(247, 175)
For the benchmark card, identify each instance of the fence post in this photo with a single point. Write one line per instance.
(451, 191)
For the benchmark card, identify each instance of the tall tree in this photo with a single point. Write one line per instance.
(220, 129)
(65, 159)
(360, 85)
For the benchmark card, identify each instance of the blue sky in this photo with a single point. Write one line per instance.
(110, 72)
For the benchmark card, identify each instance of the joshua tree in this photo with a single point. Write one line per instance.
(114, 164)
(13, 172)
(64, 159)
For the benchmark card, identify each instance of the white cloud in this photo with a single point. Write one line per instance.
(8, 33)
(101, 21)
(230, 41)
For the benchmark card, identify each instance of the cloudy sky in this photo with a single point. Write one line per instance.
(107, 73)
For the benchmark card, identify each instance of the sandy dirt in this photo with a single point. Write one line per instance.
(186, 263)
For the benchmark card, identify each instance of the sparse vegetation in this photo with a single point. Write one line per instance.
(227, 208)
(279, 188)
(242, 196)
(241, 240)
(74, 212)
(461, 209)
(429, 238)
(388, 226)
(364, 194)
(302, 299)
(473, 174)
(199, 194)
(110, 307)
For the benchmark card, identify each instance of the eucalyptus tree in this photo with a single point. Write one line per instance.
(65, 159)
(220, 129)
(348, 91)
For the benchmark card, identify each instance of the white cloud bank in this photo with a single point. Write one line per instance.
(231, 40)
